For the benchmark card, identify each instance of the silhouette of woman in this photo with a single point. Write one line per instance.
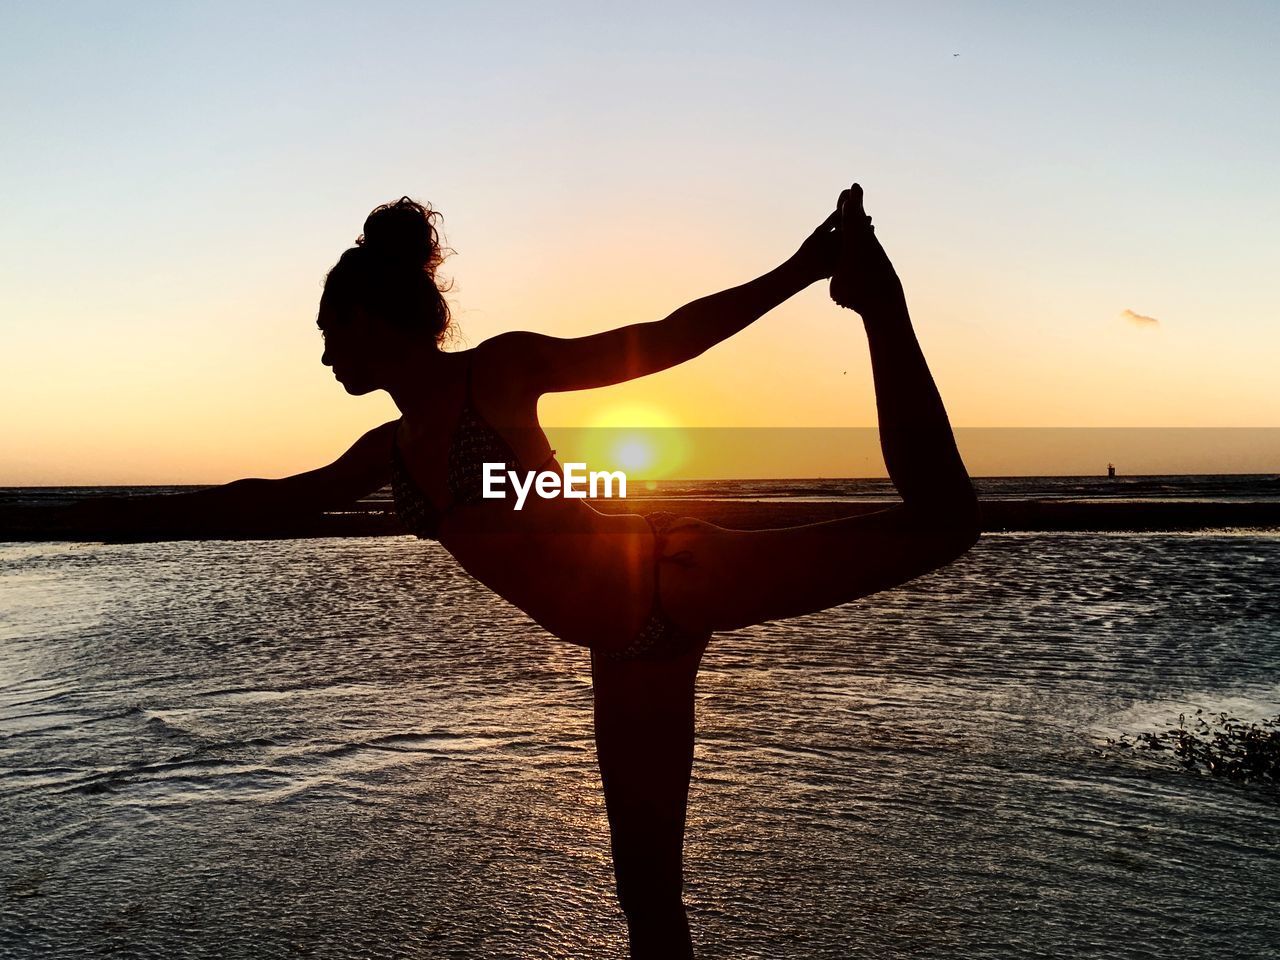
(644, 593)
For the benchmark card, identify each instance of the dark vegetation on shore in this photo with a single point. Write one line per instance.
(1216, 744)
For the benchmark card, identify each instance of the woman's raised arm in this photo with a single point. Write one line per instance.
(546, 364)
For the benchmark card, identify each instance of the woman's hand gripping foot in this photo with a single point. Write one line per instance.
(864, 280)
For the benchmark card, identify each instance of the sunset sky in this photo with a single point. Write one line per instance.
(1081, 199)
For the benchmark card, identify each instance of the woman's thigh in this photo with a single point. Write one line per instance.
(721, 579)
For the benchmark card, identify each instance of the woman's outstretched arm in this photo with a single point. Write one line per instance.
(364, 468)
(552, 364)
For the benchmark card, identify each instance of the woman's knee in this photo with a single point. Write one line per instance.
(650, 905)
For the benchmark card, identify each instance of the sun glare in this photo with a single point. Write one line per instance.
(643, 441)
(633, 453)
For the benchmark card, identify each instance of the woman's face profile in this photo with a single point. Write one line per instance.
(356, 347)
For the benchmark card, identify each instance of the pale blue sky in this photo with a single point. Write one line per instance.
(178, 177)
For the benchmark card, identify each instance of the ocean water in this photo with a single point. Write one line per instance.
(345, 748)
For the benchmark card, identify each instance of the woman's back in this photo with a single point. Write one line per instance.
(574, 570)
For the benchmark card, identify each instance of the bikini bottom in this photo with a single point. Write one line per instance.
(660, 638)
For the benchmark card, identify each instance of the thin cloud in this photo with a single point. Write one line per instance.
(1139, 319)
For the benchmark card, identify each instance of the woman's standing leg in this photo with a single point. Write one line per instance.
(644, 719)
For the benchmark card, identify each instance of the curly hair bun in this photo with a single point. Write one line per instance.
(403, 232)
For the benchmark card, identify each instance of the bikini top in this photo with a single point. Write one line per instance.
(474, 443)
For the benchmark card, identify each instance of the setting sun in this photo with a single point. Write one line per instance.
(642, 440)
(634, 453)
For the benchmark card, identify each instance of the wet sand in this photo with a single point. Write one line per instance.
(348, 749)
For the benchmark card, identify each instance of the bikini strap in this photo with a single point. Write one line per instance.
(469, 398)
(395, 438)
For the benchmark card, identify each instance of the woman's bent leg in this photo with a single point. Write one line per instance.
(644, 719)
(735, 579)
(738, 578)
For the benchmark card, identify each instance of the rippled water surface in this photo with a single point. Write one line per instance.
(346, 748)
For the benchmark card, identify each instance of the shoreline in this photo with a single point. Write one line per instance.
(373, 518)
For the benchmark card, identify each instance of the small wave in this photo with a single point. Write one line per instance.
(445, 741)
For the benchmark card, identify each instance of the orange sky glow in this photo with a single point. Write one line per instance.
(161, 261)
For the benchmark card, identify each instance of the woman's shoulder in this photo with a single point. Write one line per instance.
(507, 362)
(507, 344)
